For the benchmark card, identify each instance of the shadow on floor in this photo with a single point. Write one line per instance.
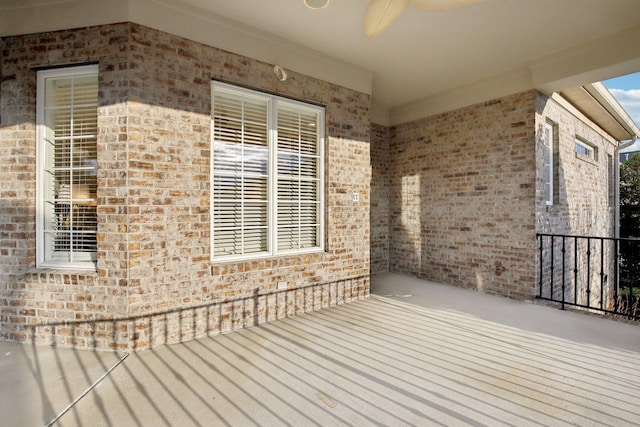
(424, 354)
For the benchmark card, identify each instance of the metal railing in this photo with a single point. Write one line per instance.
(599, 274)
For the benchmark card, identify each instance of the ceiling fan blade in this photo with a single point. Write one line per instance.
(442, 4)
(380, 14)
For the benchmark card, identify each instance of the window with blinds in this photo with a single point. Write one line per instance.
(267, 174)
(67, 167)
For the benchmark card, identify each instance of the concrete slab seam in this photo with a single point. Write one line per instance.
(87, 391)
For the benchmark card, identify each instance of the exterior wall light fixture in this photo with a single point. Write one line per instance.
(280, 73)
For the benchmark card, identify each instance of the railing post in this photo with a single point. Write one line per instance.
(575, 270)
(616, 274)
(552, 267)
(564, 268)
(632, 273)
(588, 271)
(601, 273)
(541, 237)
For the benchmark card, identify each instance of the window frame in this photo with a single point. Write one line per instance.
(590, 151)
(549, 161)
(611, 181)
(89, 258)
(274, 103)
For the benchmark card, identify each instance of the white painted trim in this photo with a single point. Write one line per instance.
(589, 62)
(35, 16)
(550, 130)
(600, 93)
(273, 102)
(214, 30)
(591, 151)
(480, 91)
(43, 75)
(187, 21)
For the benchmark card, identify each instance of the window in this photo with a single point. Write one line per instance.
(611, 181)
(549, 138)
(267, 174)
(585, 149)
(67, 115)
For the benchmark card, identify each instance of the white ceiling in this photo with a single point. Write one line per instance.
(427, 61)
(426, 52)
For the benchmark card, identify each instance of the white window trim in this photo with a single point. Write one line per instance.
(550, 130)
(611, 183)
(272, 213)
(591, 150)
(40, 158)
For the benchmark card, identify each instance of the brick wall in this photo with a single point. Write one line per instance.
(462, 197)
(466, 192)
(582, 199)
(154, 272)
(31, 296)
(380, 161)
(583, 205)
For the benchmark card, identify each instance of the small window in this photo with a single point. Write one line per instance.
(67, 117)
(584, 149)
(267, 174)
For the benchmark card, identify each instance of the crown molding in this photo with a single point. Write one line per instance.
(176, 17)
(589, 62)
(480, 91)
(597, 60)
(200, 25)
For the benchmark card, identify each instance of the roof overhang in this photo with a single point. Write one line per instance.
(598, 104)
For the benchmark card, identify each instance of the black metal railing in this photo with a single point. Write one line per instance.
(593, 273)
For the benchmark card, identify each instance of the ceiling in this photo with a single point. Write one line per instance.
(426, 62)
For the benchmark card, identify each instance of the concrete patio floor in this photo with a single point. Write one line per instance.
(415, 353)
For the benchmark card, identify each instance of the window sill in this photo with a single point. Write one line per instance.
(87, 269)
(262, 256)
(586, 159)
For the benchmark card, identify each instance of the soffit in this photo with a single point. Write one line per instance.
(426, 62)
(597, 104)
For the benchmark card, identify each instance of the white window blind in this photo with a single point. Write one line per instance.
(67, 167)
(298, 179)
(240, 157)
(266, 175)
